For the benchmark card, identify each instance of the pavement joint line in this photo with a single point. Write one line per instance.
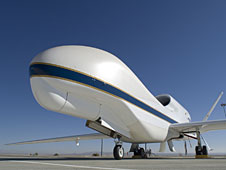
(73, 166)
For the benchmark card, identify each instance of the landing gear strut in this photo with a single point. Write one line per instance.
(201, 151)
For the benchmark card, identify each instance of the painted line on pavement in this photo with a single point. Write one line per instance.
(64, 165)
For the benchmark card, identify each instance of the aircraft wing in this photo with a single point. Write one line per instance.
(202, 126)
(66, 138)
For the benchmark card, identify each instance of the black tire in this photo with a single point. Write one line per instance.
(198, 150)
(142, 153)
(136, 152)
(118, 152)
(204, 150)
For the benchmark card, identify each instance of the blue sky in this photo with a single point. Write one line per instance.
(175, 47)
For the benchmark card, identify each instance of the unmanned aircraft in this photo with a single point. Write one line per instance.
(95, 85)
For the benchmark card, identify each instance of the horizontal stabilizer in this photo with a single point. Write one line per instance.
(66, 138)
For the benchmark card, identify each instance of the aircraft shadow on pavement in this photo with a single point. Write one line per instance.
(17, 158)
(86, 159)
(50, 159)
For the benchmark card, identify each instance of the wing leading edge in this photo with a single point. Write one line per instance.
(202, 126)
(66, 138)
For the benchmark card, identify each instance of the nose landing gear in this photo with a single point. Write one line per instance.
(118, 152)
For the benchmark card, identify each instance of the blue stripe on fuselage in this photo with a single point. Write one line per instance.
(45, 69)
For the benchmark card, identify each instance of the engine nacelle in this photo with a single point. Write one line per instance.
(178, 111)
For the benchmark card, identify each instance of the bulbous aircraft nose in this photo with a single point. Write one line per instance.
(46, 95)
(59, 87)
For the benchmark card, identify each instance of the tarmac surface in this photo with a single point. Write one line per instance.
(90, 163)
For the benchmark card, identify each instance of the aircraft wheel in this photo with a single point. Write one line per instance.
(198, 150)
(142, 153)
(204, 150)
(118, 152)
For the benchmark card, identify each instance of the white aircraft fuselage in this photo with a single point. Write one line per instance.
(93, 84)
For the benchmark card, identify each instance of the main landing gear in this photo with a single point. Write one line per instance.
(138, 152)
(118, 150)
(201, 151)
